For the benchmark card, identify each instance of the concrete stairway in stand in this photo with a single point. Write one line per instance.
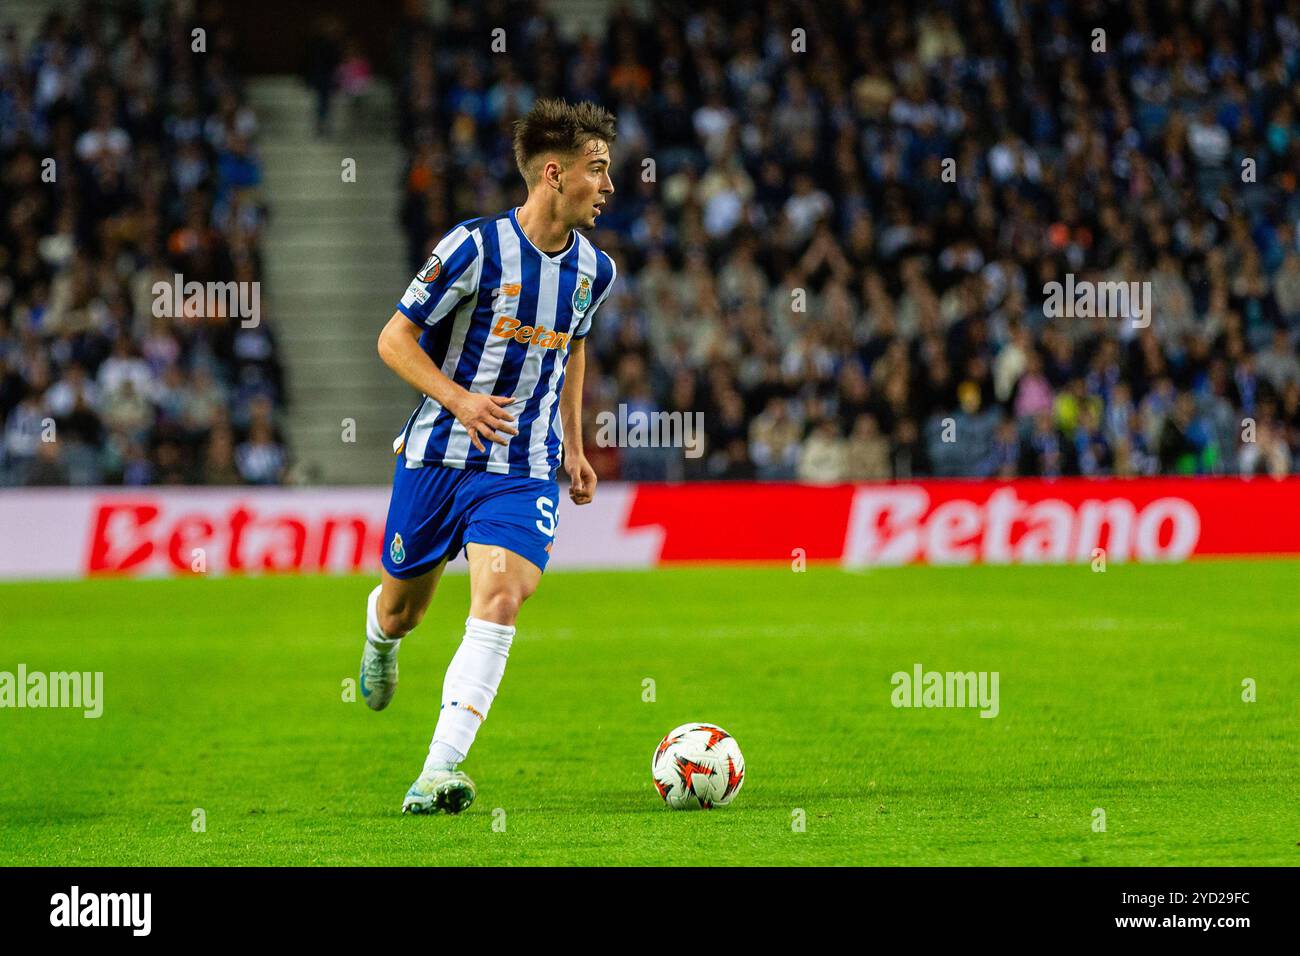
(335, 265)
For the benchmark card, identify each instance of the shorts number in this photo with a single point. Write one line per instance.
(547, 507)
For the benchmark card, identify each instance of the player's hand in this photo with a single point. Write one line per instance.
(483, 416)
(582, 479)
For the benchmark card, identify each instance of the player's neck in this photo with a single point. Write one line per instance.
(543, 230)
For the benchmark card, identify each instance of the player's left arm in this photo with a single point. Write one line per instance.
(582, 477)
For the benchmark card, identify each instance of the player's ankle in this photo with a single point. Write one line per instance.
(442, 757)
(385, 645)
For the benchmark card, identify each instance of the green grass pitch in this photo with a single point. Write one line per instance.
(1120, 691)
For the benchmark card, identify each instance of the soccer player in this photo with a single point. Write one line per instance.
(492, 332)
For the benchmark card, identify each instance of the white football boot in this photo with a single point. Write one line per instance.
(439, 791)
(378, 677)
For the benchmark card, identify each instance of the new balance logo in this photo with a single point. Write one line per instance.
(540, 335)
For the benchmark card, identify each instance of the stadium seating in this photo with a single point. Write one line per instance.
(924, 340)
(125, 162)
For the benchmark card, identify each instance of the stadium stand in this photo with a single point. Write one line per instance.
(840, 260)
(126, 161)
(924, 346)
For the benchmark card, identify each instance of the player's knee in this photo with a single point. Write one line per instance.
(503, 606)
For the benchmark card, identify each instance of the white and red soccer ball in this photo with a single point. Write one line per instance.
(698, 765)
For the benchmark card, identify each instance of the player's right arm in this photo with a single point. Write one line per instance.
(450, 275)
(399, 347)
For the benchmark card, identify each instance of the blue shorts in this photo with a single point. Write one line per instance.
(435, 511)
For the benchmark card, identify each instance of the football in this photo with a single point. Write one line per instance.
(698, 765)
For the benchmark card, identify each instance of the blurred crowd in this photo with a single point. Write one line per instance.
(127, 157)
(834, 223)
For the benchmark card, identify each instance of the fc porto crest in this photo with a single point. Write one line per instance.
(396, 550)
(582, 295)
(429, 271)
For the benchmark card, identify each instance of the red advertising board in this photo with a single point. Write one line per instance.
(67, 533)
(962, 522)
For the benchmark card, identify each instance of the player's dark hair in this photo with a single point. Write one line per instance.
(555, 126)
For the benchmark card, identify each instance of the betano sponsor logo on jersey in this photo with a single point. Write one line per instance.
(540, 335)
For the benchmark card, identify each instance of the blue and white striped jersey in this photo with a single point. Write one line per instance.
(498, 316)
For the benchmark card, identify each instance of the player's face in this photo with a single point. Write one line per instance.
(587, 184)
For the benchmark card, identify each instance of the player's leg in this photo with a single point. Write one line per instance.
(393, 610)
(419, 535)
(508, 538)
(500, 582)
(400, 603)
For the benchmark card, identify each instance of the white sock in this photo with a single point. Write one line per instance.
(374, 634)
(442, 757)
(469, 688)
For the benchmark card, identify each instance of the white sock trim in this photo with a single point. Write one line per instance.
(481, 628)
(374, 633)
